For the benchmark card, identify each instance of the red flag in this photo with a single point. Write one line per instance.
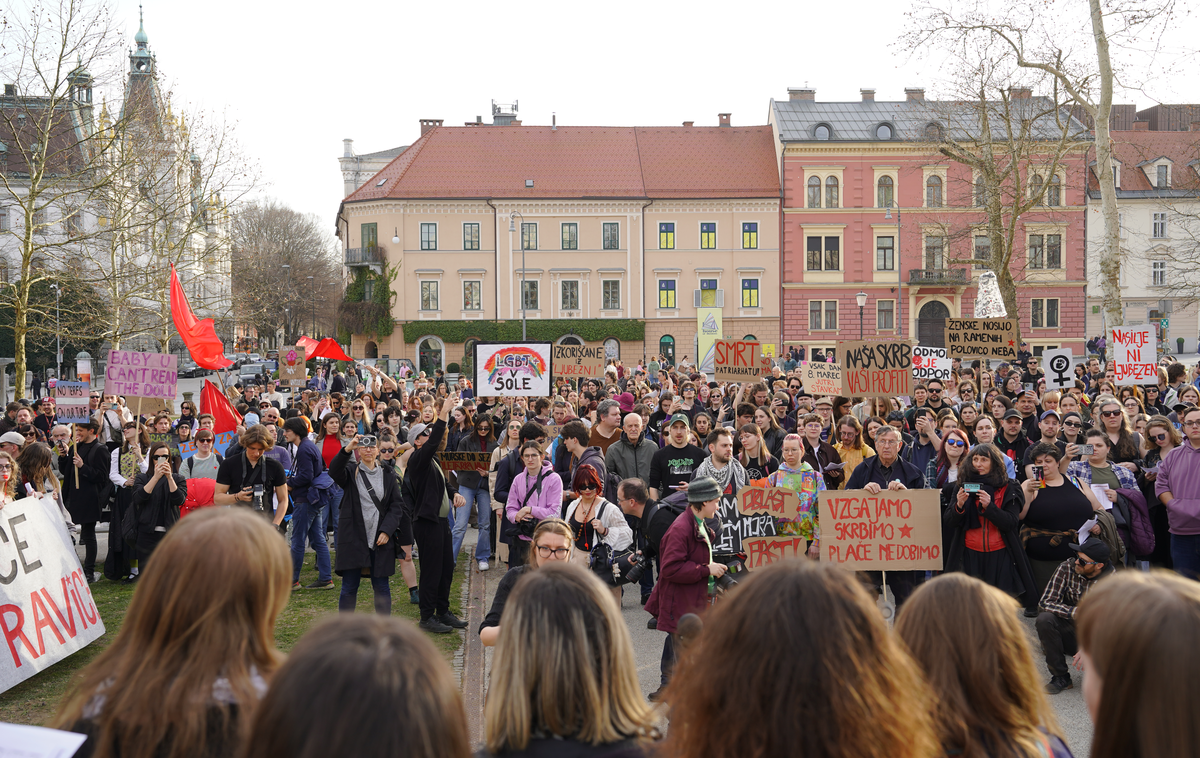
(214, 401)
(329, 348)
(308, 343)
(200, 336)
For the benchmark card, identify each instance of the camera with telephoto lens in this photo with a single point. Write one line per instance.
(735, 568)
(628, 569)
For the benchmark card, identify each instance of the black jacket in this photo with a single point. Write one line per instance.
(160, 507)
(353, 542)
(471, 480)
(86, 501)
(423, 487)
(657, 518)
(1006, 520)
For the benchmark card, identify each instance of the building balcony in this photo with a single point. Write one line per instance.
(954, 277)
(366, 256)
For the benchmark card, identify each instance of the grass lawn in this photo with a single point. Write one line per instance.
(35, 700)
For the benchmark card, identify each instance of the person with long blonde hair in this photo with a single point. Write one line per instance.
(967, 637)
(196, 648)
(812, 642)
(564, 677)
(552, 541)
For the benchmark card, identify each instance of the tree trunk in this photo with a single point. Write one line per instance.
(1110, 255)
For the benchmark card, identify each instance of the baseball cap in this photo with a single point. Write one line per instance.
(1050, 412)
(1012, 413)
(13, 438)
(416, 430)
(1096, 549)
(825, 401)
(1181, 406)
(679, 418)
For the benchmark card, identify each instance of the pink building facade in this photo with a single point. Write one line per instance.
(869, 207)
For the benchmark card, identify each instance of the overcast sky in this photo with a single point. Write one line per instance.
(299, 77)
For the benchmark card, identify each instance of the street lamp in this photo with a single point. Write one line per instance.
(314, 307)
(861, 297)
(512, 227)
(57, 335)
(287, 271)
(899, 274)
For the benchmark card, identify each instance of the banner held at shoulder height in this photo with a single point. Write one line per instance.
(895, 530)
(739, 361)
(46, 608)
(513, 369)
(876, 369)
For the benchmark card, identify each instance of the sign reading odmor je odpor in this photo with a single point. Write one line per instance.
(512, 369)
(46, 608)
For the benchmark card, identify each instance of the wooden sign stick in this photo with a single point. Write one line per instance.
(75, 449)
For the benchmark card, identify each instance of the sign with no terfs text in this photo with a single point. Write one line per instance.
(876, 369)
(573, 361)
(739, 361)
(71, 402)
(821, 379)
(151, 377)
(1135, 357)
(982, 338)
(895, 530)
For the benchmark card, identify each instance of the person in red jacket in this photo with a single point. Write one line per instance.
(686, 568)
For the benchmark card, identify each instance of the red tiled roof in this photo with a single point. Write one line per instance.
(1134, 148)
(581, 161)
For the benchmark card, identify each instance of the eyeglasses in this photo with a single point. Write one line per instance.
(955, 443)
(1110, 414)
(5, 467)
(1191, 424)
(545, 551)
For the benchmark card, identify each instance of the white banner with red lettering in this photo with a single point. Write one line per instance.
(1135, 356)
(46, 609)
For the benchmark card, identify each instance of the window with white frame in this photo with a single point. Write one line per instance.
(472, 295)
(610, 295)
(885, 314)
(935, 252)
(1043, 313)
(1045, 251)
(822, 315)
(570, 236)
(569, 295)
(428, 237)
(1159, 230)
(750, 235)
(886, 191)
(3, 219)
(612, 235)
(831, 192)
(529, 294)
(1158, 273)
(1054, 191)
(933, 191)
(429, 295)
(470, 236)
(708, 236)
(814, 192)
(1160, 179)
(529, 236)
(749, 293)
(666, 294)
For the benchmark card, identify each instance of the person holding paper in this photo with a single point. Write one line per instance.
(1096, 469)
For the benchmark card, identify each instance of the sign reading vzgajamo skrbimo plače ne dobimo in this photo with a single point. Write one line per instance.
(512, 369)
(46, 609)
(895, 530)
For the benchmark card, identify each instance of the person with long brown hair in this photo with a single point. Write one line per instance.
(367, 686)
(552, 541)
(196, 649)
(1138, 636)
(976, 655)
(813, 643)
(157, 494)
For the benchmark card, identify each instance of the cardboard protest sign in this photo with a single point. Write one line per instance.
(930, 363)
(223, 441)
(735, 527)
(876, 369)
(778, 502)
(982, 338)
(1058, 369)
(150, 378)
(291, 366)
(512, 369)
(739, 361)
(46, 609)
(71, 402)
(459, 461)
(896, 530)
(763, 551)
(821, 379)
(1135, 357)
(573, 361)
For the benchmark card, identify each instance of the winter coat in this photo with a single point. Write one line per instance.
(682, 585)
(1006, 519)
(87, 500)
(353, 541)
(307, 465)
(423, 487)
(629, 460)
(542, 504)
(161, 505)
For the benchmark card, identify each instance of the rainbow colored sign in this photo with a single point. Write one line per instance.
(512, 369)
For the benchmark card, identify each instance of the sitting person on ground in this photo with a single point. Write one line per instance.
(1056, 622)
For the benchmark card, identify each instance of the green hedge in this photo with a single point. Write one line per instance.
(537, 330)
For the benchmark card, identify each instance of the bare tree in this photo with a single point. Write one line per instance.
(286, 269)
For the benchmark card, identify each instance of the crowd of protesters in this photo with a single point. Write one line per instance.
(1057, 503)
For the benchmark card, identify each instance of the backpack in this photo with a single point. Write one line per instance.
(1139, 532)
(191, 464)
(611, 483)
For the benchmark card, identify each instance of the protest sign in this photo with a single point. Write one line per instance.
(1135, 358)
(778, 502)
(149, 378)
(763, 551)
(735, 527)
(982, 338)
(512, 369)
(71, 402)
(291, 366)
(896, 530)
(222, 442)
(821, 379)
(46, 609)
(739, 361)
(459, 461)
(1058, 369)
(573, 361)
(876, 369)
(930, 363)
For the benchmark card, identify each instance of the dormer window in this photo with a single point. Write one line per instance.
(883, 132)
(1160, 180)
(822, 132)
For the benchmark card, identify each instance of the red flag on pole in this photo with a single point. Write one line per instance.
(200, 335)
(308, 343)
(214, 401)
(329, 348)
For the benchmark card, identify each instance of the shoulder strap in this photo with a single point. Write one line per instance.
(191, 465)
(537, 487)
(370, 490)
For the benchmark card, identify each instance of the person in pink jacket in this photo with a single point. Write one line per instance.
(536, 494)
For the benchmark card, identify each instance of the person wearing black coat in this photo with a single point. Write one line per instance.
(359, 548)
(428, 496)
(86, 500)
(986, 542)
(157, 495)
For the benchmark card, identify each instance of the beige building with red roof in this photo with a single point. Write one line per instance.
(599, 232)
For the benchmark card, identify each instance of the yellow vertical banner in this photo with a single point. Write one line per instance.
(708, 331)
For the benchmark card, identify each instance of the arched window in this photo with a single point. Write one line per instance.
(430, 355)
(886, 190)
(933, 192)
(1035, 187)
(570, 339)
(1054, 191)
(981, 194)
(750, 338)
(666, 348)
(822, 132)
(612, 349)
(814, 192)
(372, 350)
(831, 192)
(883, 131)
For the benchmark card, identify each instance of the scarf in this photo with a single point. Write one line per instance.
(732, 471)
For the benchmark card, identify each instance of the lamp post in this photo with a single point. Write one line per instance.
(899, 272)
(511, 228)
(57, 334)
(287, 271)
(313, 300)
(861, 297)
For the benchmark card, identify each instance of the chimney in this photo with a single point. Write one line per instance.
(347, 148)
(1141, 126)
(868, 95)
(1020, 93)
(689, 124)
(914, 94)
(723, 118)
(803, 93)
(479, 119)
(515, 122)
(554, 122)
(429, 124)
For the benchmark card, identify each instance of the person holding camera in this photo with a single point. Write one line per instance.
(594, 521)
(535, 494)
(244, 479)
(551, 543)
(687, 572)
(157, 495)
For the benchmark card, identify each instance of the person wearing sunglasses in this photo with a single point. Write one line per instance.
(157, 495)
(551, 543)
(1074, 577)
(1161, 438)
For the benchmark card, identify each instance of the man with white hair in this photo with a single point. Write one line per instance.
(631, 456)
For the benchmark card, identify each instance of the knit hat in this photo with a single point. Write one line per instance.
(703, 490)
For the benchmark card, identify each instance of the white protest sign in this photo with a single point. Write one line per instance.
(930, 363)
(20, 741)
(46, 609)
(513, 369)
(71, 402)
(1134, 355)
(1058, 364)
